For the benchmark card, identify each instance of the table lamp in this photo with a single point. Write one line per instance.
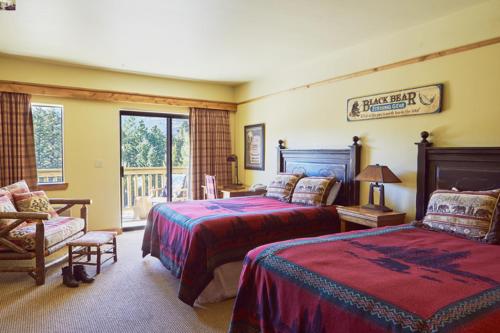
(233, 158)
(377, 174)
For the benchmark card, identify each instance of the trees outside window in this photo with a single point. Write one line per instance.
(48, 128)
(144, 142)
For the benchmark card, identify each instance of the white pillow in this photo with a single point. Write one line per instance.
(333, 193)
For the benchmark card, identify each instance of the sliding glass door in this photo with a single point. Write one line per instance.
(154, 162)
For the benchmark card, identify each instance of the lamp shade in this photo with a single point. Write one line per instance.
(232, 158)
(377, 174)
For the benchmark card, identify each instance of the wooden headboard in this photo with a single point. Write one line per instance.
(344, 164)
(466, 168)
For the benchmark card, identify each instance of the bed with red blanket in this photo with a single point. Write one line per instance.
(193, 238)
(396, 279)
(196, 239)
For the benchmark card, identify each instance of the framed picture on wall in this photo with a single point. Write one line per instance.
(255, 141)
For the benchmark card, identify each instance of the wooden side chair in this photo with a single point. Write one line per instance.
(211, 187)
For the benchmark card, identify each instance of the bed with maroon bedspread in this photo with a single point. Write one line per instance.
(397, 279)
(193, 238)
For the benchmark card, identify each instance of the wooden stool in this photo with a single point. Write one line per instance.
(83, 247)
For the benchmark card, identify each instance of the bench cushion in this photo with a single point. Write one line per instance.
(94, 238)
(56, 230)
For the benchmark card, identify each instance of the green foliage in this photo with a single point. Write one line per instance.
(47, 122)
(180, 146)
(146, 147)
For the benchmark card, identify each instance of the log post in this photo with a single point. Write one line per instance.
(83, 215)
(40, 253)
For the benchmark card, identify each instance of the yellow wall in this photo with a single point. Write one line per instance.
(92, 130)
(308, 118)
(316, 117)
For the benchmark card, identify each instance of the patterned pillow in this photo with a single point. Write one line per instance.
(5, 207)
(468, 213)
(9, 190)
(282, 186)
(34, 202)
(313, 191)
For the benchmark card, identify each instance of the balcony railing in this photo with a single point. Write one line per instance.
(49, 176)
(151, 182)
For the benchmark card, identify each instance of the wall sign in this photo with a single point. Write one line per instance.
(255, 140)
(407, 102)
(7, 4)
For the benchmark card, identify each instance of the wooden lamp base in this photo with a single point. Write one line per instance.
(381, 207)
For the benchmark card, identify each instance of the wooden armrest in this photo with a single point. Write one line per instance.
(70, 201)
(24, 216)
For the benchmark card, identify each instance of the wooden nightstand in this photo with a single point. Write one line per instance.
(240, 192)
(368, 217)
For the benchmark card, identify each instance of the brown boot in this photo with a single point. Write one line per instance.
(81, 274)
(68, 278)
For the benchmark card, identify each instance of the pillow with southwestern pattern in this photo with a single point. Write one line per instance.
(9, 190)
(6, 206)
(281, 187)
(472, 214)
(313, 191)
(35, 202)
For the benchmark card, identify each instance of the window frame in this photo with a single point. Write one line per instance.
(55, 186)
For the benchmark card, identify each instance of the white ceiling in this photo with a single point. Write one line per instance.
(218, 40)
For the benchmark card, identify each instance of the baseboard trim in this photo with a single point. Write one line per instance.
(133, 228)
(119, 231)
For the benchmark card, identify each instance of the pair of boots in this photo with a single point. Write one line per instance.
(73, 279)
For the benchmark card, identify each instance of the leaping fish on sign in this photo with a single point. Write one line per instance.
(426, 100)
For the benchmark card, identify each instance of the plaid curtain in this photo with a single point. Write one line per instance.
(17, 141)
(210, 146)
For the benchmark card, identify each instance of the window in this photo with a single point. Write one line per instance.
(48, 123)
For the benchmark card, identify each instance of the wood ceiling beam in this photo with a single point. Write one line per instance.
(110, 96)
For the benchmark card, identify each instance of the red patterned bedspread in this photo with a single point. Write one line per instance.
(398, 279)
(193, 238)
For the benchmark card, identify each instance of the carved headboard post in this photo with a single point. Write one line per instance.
(281, 146)
(354, 170)
(422, 174)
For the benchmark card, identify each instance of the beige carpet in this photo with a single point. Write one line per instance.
(133, 295)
